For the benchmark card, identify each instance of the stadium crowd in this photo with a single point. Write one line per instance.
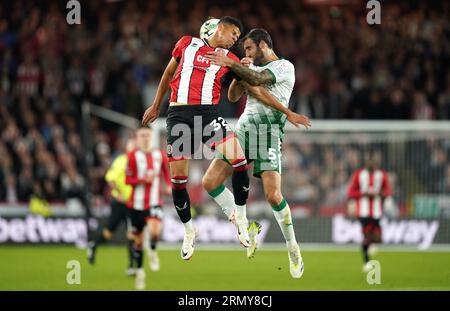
(344, 69)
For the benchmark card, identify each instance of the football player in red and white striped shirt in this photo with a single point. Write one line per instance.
(145, 167)
(367, 193)
(193, 119)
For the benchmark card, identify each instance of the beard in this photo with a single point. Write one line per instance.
(259, 56)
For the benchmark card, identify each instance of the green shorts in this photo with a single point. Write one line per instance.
(264, 150)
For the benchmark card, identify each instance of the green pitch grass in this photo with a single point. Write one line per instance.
(44, 268)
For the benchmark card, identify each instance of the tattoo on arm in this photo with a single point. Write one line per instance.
(251, 76)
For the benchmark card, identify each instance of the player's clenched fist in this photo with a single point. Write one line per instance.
(246, 61)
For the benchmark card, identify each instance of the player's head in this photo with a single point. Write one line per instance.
(372, 160)
(228, 31)
(257, 44)
(144, 138)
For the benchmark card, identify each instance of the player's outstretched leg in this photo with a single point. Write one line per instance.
(212, 182)
(181, 200)
(241, 186)
(282, 213)
(182, 204)
(283, 216)
(234, 154)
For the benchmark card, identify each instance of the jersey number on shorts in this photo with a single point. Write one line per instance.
(273, 156)
(220, 123)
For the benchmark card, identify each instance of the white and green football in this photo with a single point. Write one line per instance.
(208, 28)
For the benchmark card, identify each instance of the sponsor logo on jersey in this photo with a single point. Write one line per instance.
(201, 61)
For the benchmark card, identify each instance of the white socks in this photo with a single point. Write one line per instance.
(188, 227)
(224, 197)
(282, 214)
(241, 211)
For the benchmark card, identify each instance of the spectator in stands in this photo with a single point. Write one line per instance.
(72, 183)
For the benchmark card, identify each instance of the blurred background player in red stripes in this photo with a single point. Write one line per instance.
(145, 168)
(368, 192)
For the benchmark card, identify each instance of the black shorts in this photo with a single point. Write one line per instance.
(117, 215)
(370, 225)
(137, 219)
(188, 126)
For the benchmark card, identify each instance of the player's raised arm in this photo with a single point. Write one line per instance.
(261, 94)
(250, 76)
(152, 112)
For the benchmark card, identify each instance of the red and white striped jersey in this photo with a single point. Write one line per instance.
(196, 81)
(146, 194)
(363, 182)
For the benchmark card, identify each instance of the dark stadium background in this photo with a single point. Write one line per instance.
(348, 75)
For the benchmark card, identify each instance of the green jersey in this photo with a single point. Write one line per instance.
(256, 113)
(260, 128)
